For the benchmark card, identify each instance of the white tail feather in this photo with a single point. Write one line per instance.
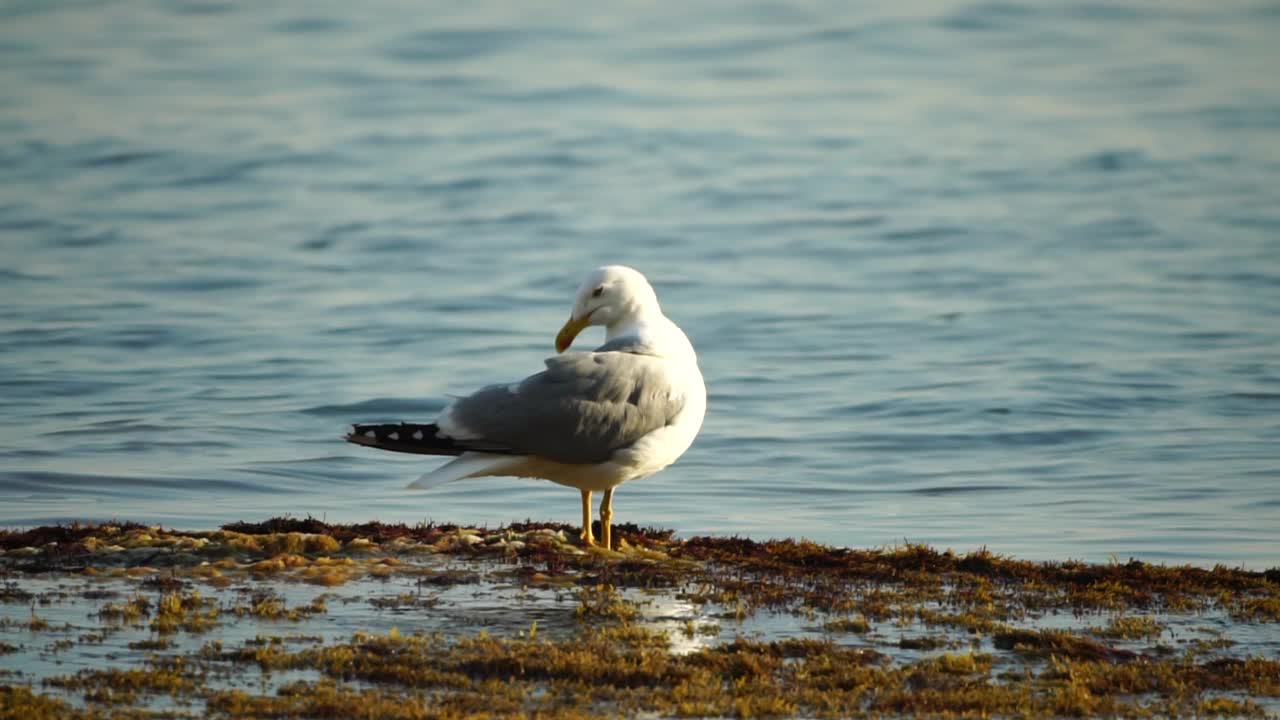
(467, 465)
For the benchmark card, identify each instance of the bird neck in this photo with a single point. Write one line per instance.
(639, 322)
(654, 333)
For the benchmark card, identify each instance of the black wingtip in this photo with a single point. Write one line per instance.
(420, 439)
(360, 437)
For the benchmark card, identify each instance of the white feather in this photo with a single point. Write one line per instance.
(466, 465)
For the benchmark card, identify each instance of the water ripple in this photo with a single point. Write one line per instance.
(1010, 282)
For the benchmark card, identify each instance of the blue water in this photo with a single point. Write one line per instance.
(970, 274)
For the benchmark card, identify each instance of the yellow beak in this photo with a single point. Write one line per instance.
(570, 331)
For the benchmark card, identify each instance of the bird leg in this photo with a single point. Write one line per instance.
(606, 517)
(586, 537)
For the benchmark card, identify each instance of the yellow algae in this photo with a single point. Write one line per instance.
(296, 543)
(190, 543)
(206, 570)
(138, 538)
(1227, 707)
(1258, 609)
(267, 567)
(848, 625)
(403, 600)
(626, 670)
(326, 561)
(326, 700)
(1131, 627)
(598, 657)
(20, 703)
(127, 682)
(267, 606)
(603, 602)
(965, 664)
(129, 612)
(35, 623)
(151, 644)
(184, 611)
(328, 579)
(279, 563)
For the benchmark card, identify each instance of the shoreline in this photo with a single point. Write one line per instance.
(297, 617)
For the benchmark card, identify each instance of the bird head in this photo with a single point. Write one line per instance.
(610, 296)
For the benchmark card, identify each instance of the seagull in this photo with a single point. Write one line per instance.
(590, 420)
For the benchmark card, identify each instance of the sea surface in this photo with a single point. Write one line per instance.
(1001, 274)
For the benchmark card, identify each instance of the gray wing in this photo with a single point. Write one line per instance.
(581, 409)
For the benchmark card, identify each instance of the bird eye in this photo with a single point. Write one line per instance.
(597, 291)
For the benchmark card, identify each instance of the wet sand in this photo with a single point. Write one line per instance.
(298, 618)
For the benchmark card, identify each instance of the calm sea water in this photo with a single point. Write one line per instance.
(970, 274)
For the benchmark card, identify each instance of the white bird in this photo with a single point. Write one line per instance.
(591, 420)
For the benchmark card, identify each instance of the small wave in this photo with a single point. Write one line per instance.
(144, 337)
(962, 489)
(587, 93)
(7, 274)
(56, 386)
(1236, 117)
(1246, 404)
(88, 238)
(1260, 396)
(126, 157)
(229, 173)
(1230, 279)
(451, 45)
(28, 224)
(308, 25)
(557, 160)
(199, 284)
(1112, 160)
(986, 17)
(112, 427)
(331, 235)
(1118, 228)
(378, 408)
(1110, 12)
(736, 49)
(909, 441)
(460, 186)
(1215, 338)
(204, 7)
(817, 222)
(933, 232)
(519, 218)
(44, 482)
